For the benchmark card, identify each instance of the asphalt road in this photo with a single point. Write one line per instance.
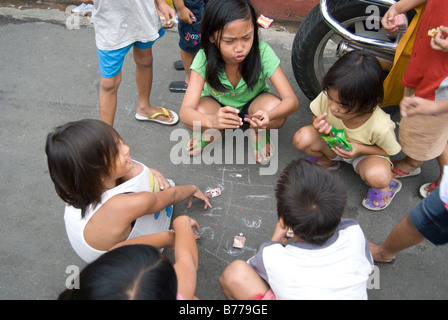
(49, 75)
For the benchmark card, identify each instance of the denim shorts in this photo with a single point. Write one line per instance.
(111, 61)
(190, 34)
(430, 217)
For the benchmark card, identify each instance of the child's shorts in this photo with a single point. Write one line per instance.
(354, 161)
(190, 34)
(245, 109)
(430, 217)
(267, 296)
(111, 61)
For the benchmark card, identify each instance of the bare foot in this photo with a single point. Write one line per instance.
(378, 255)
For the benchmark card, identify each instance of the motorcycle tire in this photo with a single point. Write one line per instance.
(309, 42)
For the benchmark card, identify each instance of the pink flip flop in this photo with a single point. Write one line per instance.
(402, 174)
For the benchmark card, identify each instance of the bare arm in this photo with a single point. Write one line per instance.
(125, 208)
(224, 118)
(289, 100)
(186, 256)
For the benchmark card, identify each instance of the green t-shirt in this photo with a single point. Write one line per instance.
(241, 95)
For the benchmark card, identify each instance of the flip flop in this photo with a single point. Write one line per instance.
(164, 112)
(259, 145)
(178, 65)
(423, 192)
(402, 174)
(379, 195)
(200, 143)
(178, 86)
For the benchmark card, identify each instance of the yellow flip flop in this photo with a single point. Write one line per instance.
(164, 112)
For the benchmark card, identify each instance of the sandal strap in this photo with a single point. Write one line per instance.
(163, 113)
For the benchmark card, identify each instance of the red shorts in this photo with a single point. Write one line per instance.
(267, 296)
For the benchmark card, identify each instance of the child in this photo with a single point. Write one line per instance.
(429, 218)
(352, 89)
(120, 25)
(190, 13)
(424, 138)
(329, 258)
(141, 272)
(110, 199)
(227, 80)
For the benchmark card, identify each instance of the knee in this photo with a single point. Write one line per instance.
(302, 138)
(110, 84)
(378, 177)
(233, 275)
(143, 61)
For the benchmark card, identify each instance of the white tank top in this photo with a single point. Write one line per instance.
(147, 224)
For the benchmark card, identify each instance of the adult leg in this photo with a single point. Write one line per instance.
(404, 235)
(144, 76)
(240, 282)
(108, 98)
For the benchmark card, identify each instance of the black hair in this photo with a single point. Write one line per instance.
(79, 155)
(132, 272)
(358, 77)
(217, 15)
(311, 200)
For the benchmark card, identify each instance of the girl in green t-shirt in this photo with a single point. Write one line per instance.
(228, 80)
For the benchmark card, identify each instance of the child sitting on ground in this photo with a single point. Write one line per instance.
(329, 258)
(110, 199)
(141, 272)
(352, 89)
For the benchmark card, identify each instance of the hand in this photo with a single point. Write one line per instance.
(199, 195)
(411, 106)
(185, 15)
(440, 41)
(185, 221)
(280, 234)
(321, 124)
(388, 20)
(227, 118)
(260, 123)
(166, 11)
(161, 180)
(347, 154)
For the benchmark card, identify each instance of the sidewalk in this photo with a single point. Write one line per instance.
(49, 76)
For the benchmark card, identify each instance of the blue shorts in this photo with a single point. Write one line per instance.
(430, 217)
(111, 61)
(190, 34)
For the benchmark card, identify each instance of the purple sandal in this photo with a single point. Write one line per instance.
(379, 195)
